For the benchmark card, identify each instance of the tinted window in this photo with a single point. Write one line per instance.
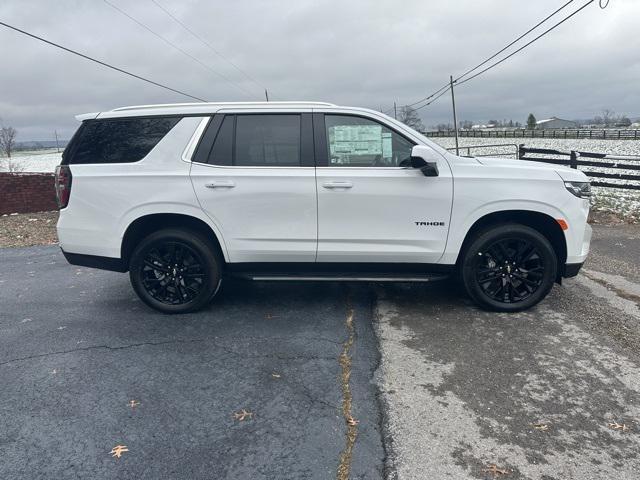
(222, 151)
(360, 142)
(121, 140)
(267, 140)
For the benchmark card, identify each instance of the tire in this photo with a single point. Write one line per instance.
(509, 268)
(175, 271)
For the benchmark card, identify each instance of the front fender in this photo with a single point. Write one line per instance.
(461, 225)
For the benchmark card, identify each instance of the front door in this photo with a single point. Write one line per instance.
(254, 176)
(371, 206)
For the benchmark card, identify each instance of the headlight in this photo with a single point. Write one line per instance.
(579, 189)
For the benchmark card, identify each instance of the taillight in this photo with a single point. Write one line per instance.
(63, 185)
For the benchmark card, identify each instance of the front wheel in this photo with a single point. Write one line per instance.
(509, 268)
(175, 271)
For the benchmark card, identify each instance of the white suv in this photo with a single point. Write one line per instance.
(183, 195)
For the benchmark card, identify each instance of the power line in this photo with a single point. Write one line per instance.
(442, 89)
(525, 45)
(207, 44)
(104, 64)
(457, 81)
(176, 47)
(434, 99)
(515, 41)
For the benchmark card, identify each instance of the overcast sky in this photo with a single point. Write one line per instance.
(364, 53)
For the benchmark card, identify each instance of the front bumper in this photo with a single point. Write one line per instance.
(571, 269)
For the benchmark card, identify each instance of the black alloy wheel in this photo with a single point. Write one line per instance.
(175, 271)
(509, 268)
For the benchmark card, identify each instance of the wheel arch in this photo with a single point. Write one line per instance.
(541, 222)
(146, 224)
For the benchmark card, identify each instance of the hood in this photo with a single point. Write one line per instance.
(567, 174)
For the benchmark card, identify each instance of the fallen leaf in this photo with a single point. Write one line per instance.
(495, 470)
(543, 427)
(118, 450)
(242, 415)
(618, 426)
(352, 422)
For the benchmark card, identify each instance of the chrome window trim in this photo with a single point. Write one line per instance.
(189, 150)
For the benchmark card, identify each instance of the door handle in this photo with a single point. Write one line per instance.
(332, 185)
(220, 184)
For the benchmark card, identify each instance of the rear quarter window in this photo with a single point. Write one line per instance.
(118, 140)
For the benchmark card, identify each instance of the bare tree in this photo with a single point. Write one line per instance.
(609, 117)
(7, 140)
(409, 116)
(443, 127)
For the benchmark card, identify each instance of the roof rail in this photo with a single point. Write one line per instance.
(204, 104)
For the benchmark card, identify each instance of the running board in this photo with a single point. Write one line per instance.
(342, 278)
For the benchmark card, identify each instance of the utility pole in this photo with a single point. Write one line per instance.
(57, 145)
(395, 111)
(266, 94)
(455, 118)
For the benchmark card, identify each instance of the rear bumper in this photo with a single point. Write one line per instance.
(94, 261)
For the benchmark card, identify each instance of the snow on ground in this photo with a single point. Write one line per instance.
(33, 160)
(623, 203)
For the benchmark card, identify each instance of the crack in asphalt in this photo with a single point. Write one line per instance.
(168, 342)
(614, 288)
(389, 471)
(344, 360)
(296, 386)
(96, 347)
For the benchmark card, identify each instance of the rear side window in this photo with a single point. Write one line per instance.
(267, 140)
(257, 140)
(119, 140)
(222, 151)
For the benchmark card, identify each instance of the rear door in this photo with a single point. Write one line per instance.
(254, 176)
(371, 206)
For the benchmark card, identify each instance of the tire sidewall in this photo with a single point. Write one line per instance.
(194, 241)
(503, 232)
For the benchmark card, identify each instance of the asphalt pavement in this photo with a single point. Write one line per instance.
(257, 385)
(85, 367)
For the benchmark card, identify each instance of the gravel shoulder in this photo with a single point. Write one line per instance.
(542, 394)
(26, 229)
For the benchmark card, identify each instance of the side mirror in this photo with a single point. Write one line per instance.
(420, 157)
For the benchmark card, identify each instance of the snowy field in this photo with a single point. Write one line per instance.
(624, 203)
(617, 147)
(33, 161)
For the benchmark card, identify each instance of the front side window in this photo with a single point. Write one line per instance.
(359, 142)
(267, 140)
(118, 140)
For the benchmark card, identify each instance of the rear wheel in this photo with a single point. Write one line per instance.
(509, 268)
(175, 271)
